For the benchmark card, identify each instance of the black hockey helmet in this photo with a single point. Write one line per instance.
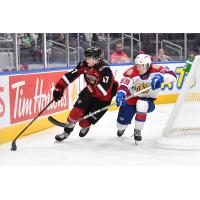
(94, 52)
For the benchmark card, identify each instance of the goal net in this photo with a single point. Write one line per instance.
(182, 130)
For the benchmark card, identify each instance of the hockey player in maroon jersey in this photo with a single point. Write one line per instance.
(98, 93)
(142, 75)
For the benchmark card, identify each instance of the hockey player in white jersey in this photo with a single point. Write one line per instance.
(140, 76)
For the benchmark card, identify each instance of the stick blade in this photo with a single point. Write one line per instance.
(56, 122)
(14, 146)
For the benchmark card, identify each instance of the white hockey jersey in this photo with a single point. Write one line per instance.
(133, 82)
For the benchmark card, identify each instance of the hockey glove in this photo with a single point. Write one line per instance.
(59, 90)
(57, 94)
(157, 81)
(120, 99)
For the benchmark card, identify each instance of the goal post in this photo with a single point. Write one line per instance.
(182, 130)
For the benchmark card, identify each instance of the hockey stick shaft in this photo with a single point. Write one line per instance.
(14, 147)
(54, 121)
(113, 104)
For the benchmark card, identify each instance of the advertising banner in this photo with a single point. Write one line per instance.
(30, 93)
(4, 102)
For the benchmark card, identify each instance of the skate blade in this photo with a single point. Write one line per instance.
(137, 142)
(59, 142)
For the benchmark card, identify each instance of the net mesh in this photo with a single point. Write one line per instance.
(182, 130)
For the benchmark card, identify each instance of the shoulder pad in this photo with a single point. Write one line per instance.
(81, 64)
(131, 72)
(155, 68)
(164, 70)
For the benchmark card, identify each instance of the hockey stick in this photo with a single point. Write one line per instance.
(14, 146)
(61, 124)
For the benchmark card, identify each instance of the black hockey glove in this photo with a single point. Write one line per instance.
(57, 94)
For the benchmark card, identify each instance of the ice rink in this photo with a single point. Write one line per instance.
(100, 147)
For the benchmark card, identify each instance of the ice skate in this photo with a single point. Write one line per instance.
(64, 135)
(137, 136)
(120, 132)
(83, 132)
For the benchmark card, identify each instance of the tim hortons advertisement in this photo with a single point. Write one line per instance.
(30, 93)
(4, 102)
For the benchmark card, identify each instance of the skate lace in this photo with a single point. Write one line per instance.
(63, 135)
(137, 133)
(84, 130)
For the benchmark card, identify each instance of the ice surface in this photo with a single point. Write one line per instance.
(100, 147)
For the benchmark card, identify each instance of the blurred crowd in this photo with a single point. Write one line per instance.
(119, 51)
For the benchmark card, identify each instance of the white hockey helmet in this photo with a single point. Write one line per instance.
(143, 59)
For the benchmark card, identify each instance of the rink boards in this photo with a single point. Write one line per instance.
(24, 94)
